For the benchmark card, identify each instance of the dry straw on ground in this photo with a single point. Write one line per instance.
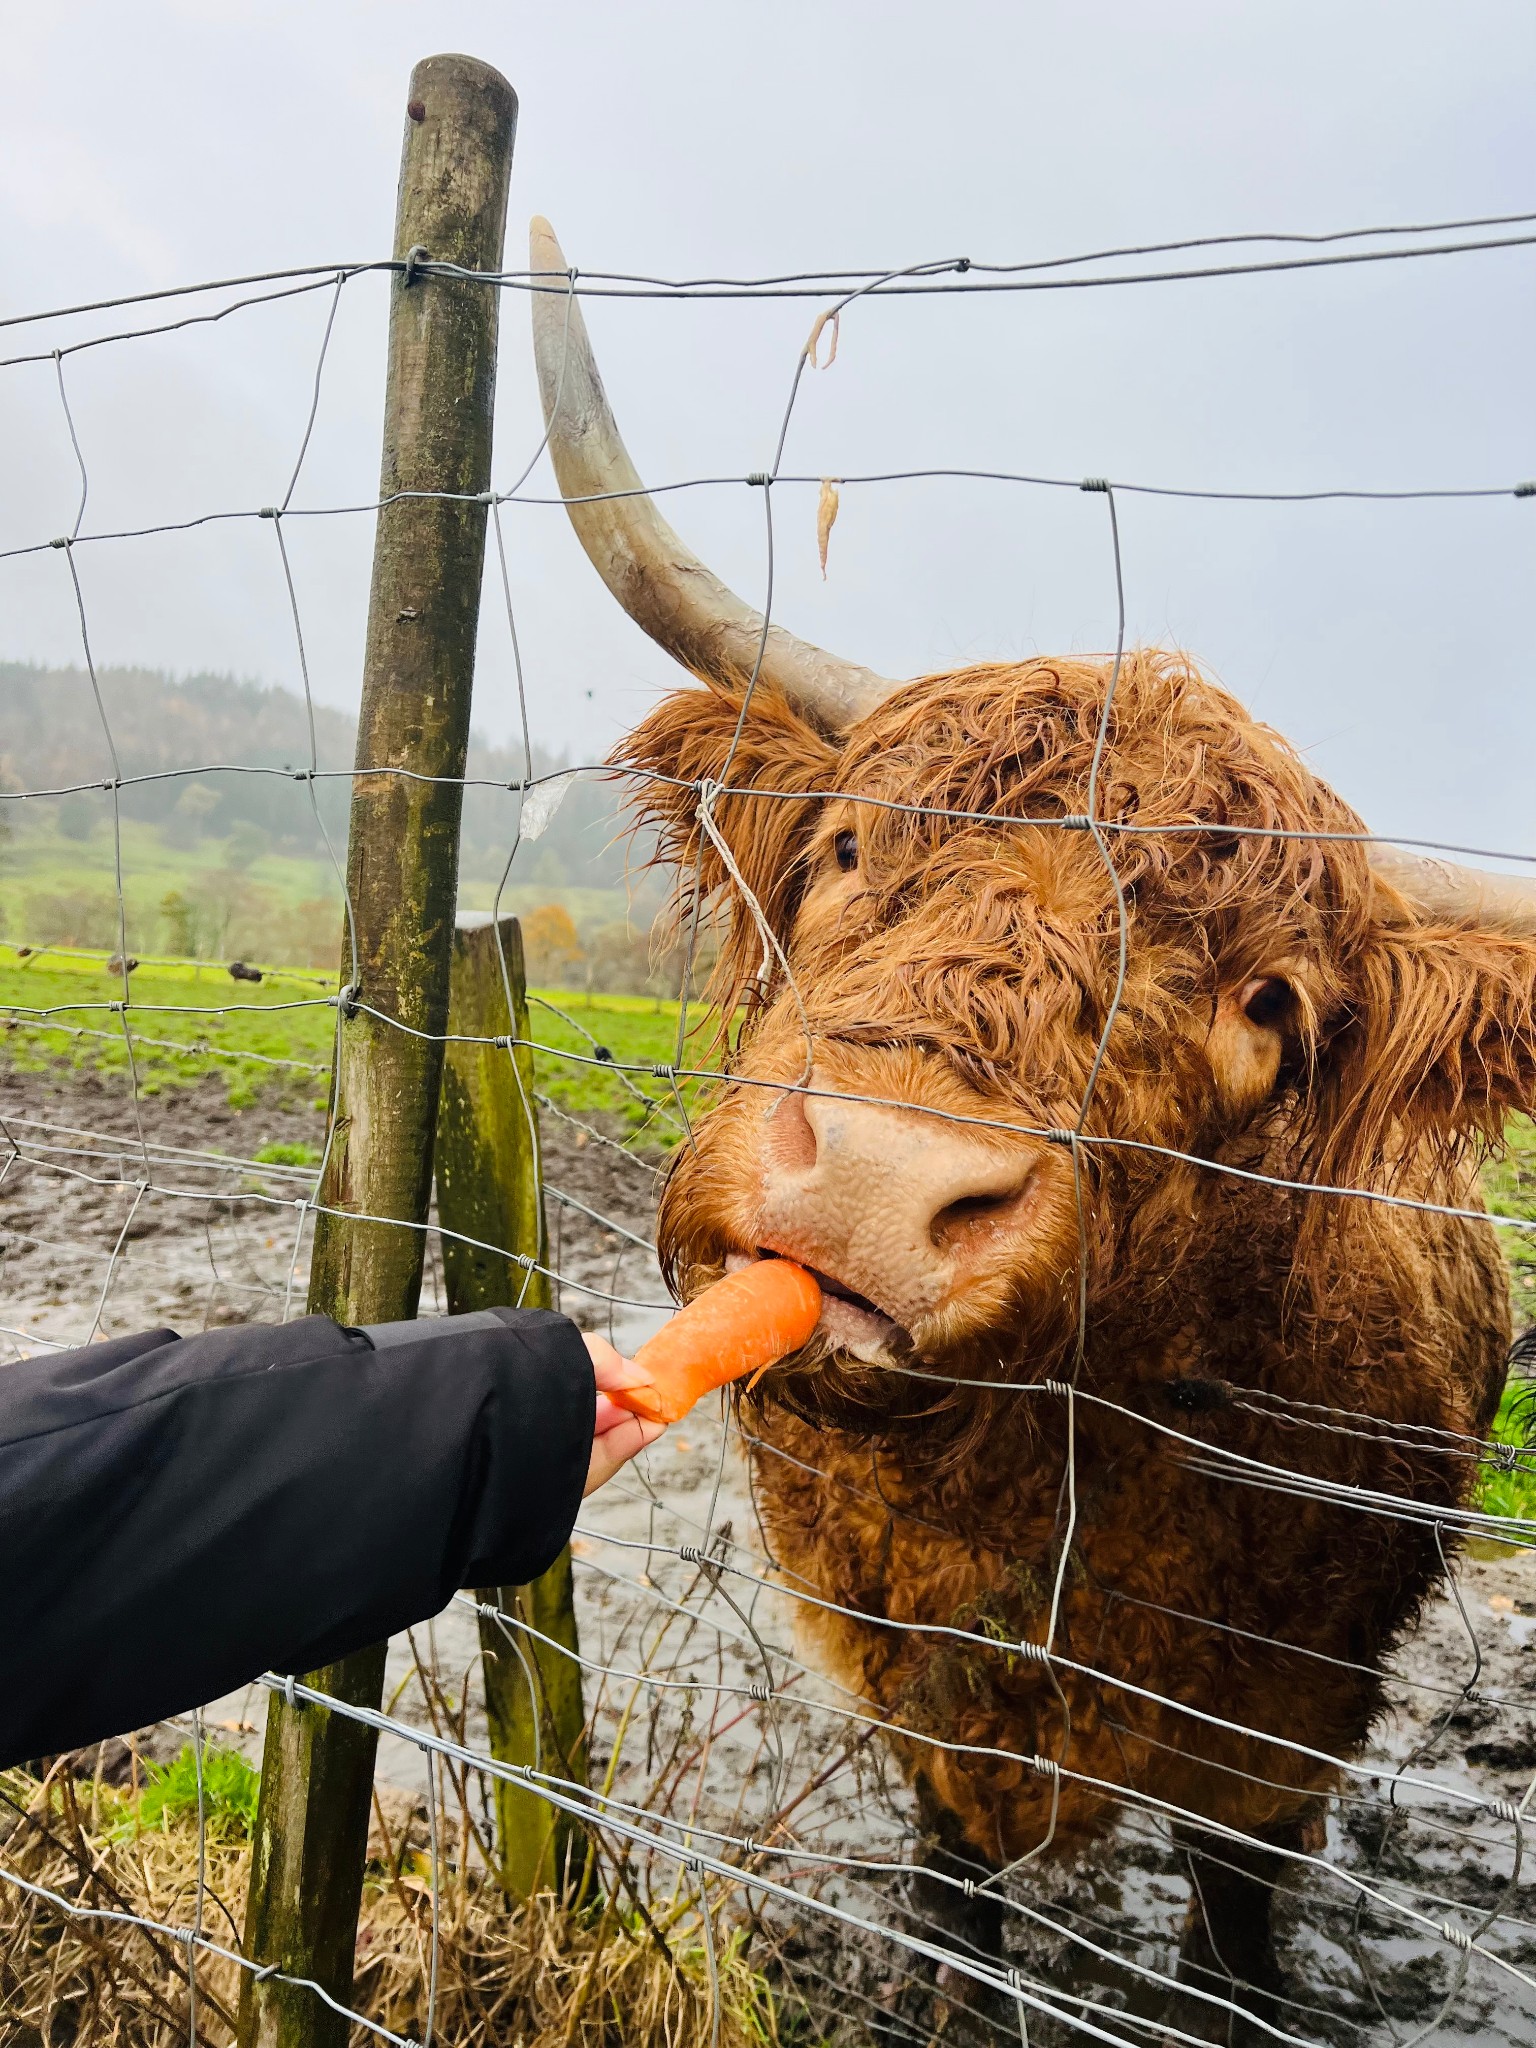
(546, 1975)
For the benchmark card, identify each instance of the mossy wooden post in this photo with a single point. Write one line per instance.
(402, 880)
(488, 1189)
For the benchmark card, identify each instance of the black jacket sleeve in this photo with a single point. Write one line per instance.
(177, 1516)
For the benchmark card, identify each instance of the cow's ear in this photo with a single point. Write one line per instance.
(698, 737)
(1262, 1025)
(1435, 1046)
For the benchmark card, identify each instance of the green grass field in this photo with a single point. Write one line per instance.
(1510, 1187)
(634, 1032)
(189, 1018)
(186, 1019)
(1514, 1492)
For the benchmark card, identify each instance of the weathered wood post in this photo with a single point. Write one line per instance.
(488, 1189)
(402, 880)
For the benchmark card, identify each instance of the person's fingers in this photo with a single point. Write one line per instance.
(599, 1350)
(617, 1435)
(611, 1368)
(609, 1416)
(615, 1447)
(609, 1454)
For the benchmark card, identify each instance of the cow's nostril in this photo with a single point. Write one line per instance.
(791, 1141)
(973, 1218)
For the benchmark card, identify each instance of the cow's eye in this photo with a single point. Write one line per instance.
(845, 848)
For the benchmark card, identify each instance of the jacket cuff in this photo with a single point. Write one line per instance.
(540, 1418)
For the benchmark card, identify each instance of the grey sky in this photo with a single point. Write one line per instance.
(161, 143)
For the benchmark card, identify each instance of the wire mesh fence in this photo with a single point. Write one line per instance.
(808, 1669)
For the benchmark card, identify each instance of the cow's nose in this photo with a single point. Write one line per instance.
(904, 1207)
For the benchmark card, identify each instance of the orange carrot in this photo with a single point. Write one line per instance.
(750, 1319)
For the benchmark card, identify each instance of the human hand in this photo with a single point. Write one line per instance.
(617, 1435)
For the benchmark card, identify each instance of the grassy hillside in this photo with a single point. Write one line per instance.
(219, 864)
(223, 899)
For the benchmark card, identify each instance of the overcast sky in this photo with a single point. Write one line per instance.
(163, 143)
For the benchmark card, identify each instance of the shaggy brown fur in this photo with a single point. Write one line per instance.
(969, 967)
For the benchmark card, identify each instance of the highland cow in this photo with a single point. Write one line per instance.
(941, 1055)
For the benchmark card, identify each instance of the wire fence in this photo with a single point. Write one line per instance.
(760, 1818)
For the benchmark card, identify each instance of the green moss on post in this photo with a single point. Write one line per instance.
(488, 1129)
(488, 1189)
(402, 879)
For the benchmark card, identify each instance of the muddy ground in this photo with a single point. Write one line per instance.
(676, 1645)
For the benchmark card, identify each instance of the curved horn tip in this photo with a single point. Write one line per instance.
(544, 250)
(655, 576)
(1440, 890)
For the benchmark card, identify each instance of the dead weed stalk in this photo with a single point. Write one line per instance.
(599, 1974)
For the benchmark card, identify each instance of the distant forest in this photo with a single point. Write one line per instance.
(223, 860)
(50, 735)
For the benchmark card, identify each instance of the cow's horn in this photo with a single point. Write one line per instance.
(1439, 890)
(659, 581)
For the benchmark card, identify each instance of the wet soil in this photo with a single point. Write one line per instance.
(683, 1634)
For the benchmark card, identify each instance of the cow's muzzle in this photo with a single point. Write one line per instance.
(917, 1223)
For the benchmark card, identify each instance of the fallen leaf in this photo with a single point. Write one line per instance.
(822, 319)
(826, 515)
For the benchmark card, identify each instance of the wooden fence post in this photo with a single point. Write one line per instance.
(488, 1189)
(402, 881)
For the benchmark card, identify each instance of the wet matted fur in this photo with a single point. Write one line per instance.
(968, 966)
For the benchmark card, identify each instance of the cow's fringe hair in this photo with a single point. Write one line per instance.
(995, 945)
(689, 737)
